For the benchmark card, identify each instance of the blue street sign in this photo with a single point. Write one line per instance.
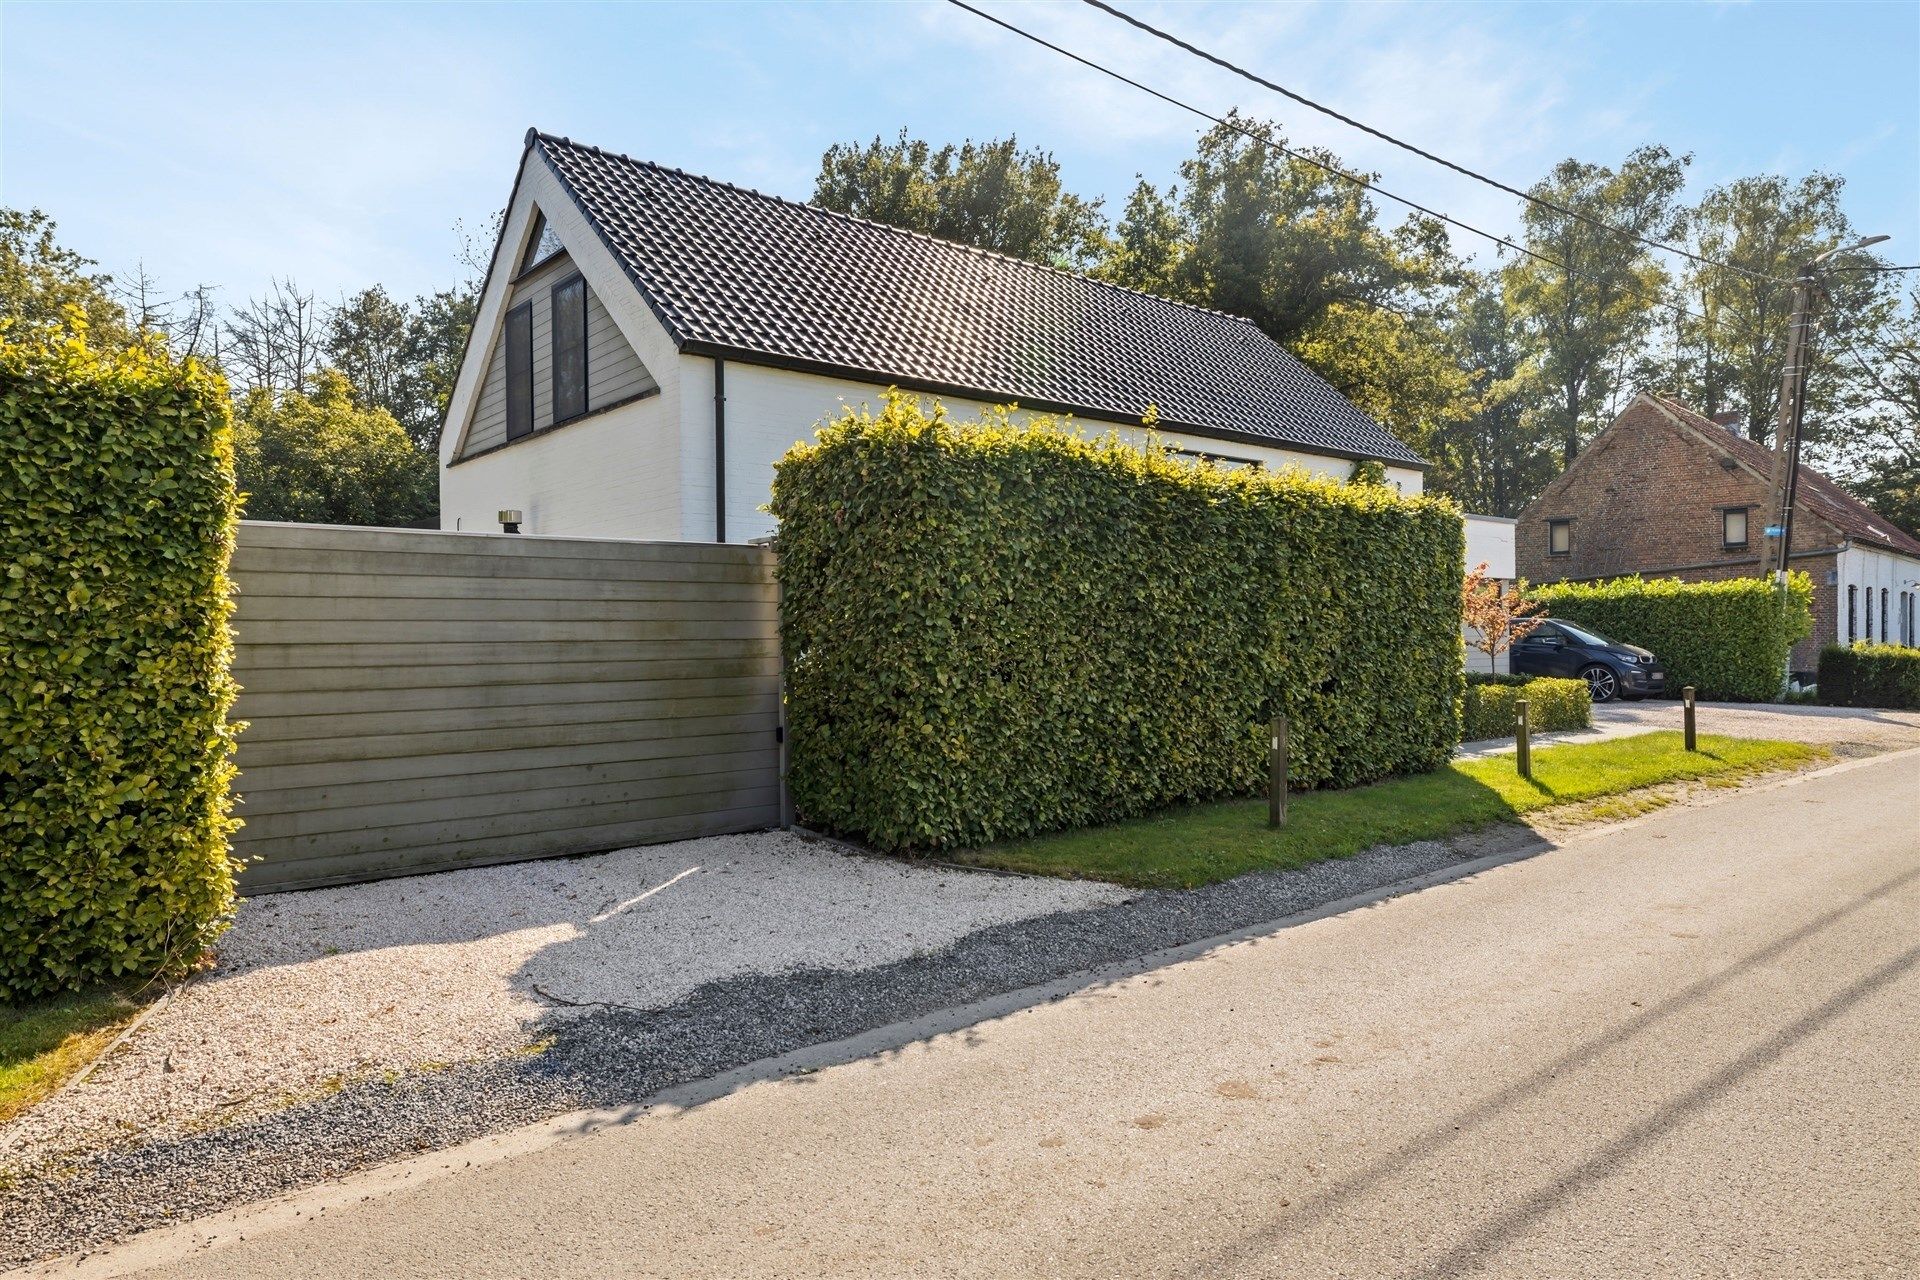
(1774, 531)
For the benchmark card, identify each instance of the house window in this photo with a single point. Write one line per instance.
(520, 371)
(1869, 615)
(1853, 606)
(1559, 537)
(1907, 609)
(542, 244)
(569, 349)
(1886, 632)
(1733, 527)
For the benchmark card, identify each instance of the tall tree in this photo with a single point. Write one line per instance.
(324, 459)
(1500, 452)
(42, 284)
(1729, 358)
(402, 357)
(989, 194)
(1592, 305)
(1147, 244)
(274, 342)
(1883, 431)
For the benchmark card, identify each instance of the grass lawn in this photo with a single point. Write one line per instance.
(1199, 844)
(44, 1043)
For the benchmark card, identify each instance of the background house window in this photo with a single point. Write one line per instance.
(520, 371)
(1906, 610)
(1853, 607)
(1886, 632)
(1559, 537)
(569, 349)
(1733, 527)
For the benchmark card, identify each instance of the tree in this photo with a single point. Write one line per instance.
(403, 357)
(1498, 616)
(1499, 453)
(1591, 307)
(436, 340)
(1884, 430)
(274, 342)
(989, 194)
(43, 285)
(322, 458)
(1763, 229)
(1146, 247)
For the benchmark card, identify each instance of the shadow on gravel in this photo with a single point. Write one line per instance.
(612, 1058)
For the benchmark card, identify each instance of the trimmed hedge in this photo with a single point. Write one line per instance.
(996, 630)
(1870, 675)
(116, 484)
(1552, 705)
(1727, 639)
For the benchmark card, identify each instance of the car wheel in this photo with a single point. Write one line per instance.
(1601, 683)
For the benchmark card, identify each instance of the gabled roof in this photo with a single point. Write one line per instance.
(1815, 495)
(732, 272)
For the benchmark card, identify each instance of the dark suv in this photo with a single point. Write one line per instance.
(1611, 670)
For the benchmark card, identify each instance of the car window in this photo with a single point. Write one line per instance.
(1583, 635)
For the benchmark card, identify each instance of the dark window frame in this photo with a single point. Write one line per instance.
(1553, 526)
(519, 389)
(554, 352)
(1853, 612)
(1746, 526)
(1886, 631)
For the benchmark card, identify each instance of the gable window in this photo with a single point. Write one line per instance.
(542, 244)
(1853, 608)
(569, 349)
(520, 371)
(1733, 527)
(1559, 537)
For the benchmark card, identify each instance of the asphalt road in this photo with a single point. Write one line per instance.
(1685, 1047)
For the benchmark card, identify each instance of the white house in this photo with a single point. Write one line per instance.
(650, 342)
(1489, 543)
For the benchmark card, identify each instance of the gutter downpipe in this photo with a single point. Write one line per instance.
(719, 449)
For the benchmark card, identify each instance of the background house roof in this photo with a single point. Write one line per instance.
(733, 272)
(1816, 494)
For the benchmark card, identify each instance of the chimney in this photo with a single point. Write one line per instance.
(1734, 421)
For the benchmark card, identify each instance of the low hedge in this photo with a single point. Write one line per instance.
(1727, 639)
(1870, 675)
(996, 630)
(116, 484)
(1552, 705)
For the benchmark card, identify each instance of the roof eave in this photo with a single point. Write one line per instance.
(927, 386)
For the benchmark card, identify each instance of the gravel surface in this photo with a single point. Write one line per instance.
(612, 1056)
(318, 989)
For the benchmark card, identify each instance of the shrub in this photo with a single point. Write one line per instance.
(1727, 639)
(1552, 705)
(995, 630)
(116, 479)
(1870, 675)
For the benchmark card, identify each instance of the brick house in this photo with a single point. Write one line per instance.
(1664, 492)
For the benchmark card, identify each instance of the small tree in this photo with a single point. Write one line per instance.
(1498, 617)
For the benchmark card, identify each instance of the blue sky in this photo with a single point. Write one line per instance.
(339, 145)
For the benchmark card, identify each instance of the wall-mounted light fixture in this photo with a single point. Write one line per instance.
(509, 521)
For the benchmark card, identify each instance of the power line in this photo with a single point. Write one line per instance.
(1424, 154)
(1335, 170)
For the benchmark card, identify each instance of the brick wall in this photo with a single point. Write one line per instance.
(1646, 497)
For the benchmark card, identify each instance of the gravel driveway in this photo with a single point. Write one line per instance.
(318, 989)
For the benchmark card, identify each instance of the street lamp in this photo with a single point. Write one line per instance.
(1793, 395)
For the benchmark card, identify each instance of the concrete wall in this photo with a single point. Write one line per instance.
(1489, 542)
(419, 701)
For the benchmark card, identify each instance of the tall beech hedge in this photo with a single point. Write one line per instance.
(1727, 639)
(994, 630)
(117, 516)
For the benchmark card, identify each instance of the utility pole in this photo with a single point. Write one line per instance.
(1777, 544)
(1777, 547)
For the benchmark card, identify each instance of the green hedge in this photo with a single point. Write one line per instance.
(1870, 675)
(117, 494)
(995, 630)
(1552, 705)
(1727, 639)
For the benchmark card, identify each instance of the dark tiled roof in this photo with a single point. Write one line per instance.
(1816, 494)
(732, 272)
